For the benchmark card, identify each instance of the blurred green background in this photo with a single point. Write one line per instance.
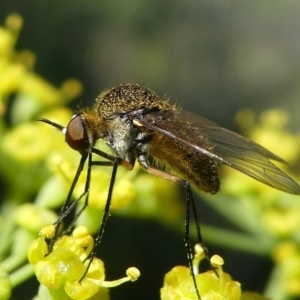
(212, 57)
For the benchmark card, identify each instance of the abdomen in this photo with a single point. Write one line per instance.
(197, 168)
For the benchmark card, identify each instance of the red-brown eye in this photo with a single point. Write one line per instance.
(76, 136)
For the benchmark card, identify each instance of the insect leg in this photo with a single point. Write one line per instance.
(111, 158)
(189, 199)
(65, 208)
(85, 193)
(116, 163)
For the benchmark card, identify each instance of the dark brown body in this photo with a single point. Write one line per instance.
(198, 169)
(138, 124)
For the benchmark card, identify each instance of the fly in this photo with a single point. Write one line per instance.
(138, 125)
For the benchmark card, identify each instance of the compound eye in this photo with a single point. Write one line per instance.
(76, 135)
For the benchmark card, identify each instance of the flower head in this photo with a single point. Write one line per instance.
(64, 271)
(212, 285)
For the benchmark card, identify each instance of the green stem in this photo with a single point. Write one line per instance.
(275, 290)
(256, 244)
(21, 275)
(240, 212)
(7, 226)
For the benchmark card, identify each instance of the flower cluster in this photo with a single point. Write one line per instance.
(214, 284)
(62, 272)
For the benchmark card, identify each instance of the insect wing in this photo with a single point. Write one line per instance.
(224, 146)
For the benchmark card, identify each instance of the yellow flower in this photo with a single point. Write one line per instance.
(64, 271)
(212, 285)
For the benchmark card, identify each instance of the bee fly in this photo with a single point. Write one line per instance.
(137, 124)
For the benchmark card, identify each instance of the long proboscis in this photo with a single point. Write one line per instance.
(58, 126)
